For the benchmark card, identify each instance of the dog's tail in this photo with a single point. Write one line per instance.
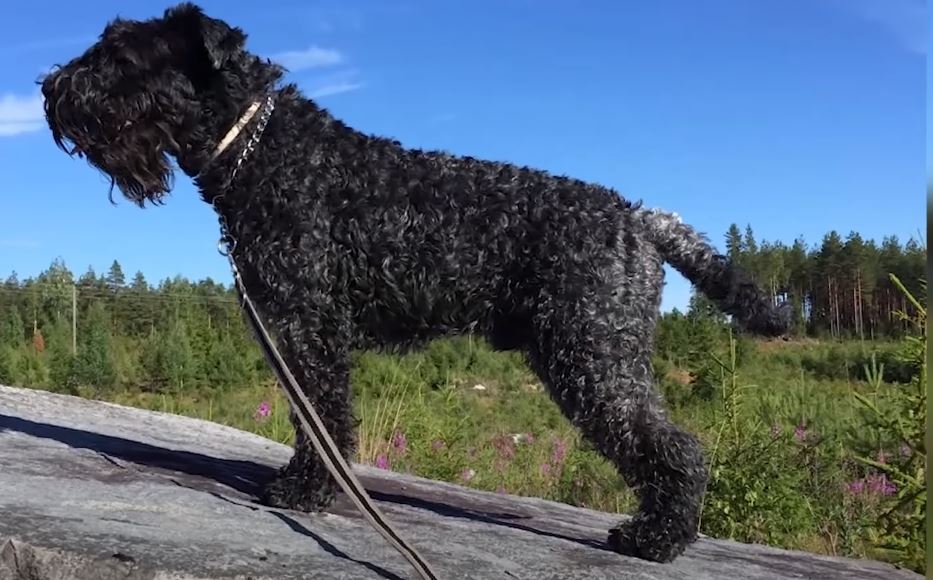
(727, 285)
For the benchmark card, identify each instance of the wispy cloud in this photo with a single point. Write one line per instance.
(904, 20)
(311, 57)
(47, 44)
(19, 244)
(334, 89)
(343, 81)
(316, 57)
(20, 115)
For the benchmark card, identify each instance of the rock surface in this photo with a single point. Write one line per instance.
(91, 490)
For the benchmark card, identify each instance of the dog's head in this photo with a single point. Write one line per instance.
(148, 90)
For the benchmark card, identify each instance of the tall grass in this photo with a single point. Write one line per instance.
(778, 433)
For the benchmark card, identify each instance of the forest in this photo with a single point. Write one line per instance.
(107, 330)
(815, 442)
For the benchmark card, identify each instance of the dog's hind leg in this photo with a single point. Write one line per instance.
(322, 369)
(592, 350)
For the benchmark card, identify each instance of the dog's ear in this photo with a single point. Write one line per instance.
(220, 40)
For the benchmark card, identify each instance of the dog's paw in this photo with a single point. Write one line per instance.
(639, 540)
(298, 494)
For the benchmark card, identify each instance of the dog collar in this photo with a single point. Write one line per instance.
(267, 106)
(235, 130)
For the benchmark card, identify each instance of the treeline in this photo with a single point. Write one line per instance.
(841, 287)
(60, 331)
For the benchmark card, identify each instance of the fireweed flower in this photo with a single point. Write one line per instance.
(876, 484)
(856, 487)
(559, 451)
(504, 445)
(881, 484)
(800, 433)
(399, 442)
(262, 411)
(382, 462)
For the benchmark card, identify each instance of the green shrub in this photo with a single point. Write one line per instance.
(891, 442)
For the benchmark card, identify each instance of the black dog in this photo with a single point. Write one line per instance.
(349, 241)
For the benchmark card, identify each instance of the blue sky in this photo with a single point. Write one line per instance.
(796, 116)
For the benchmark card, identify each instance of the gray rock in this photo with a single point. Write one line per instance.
(90, 490)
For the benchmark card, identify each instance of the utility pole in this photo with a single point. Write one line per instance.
(74, 319)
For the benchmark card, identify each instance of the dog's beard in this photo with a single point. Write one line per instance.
(125, 140)
(136, 162)
(140, 174)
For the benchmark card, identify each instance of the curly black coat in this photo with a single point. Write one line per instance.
(350, 241)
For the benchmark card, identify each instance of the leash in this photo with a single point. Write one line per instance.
(310, 421)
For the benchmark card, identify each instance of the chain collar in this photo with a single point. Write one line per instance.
(267, 107)
(227, 242)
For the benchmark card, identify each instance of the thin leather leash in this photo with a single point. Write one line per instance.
(314, 428)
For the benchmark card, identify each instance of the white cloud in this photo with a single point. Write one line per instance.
(904, 20)
(48, 43)
(20, 115)
(311, 57)
(342, 81)
(334, 89)
(19, 244)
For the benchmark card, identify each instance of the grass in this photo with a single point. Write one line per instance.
(462, 413)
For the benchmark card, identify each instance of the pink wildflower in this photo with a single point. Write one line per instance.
(399, 442)
(559, 451)
(856, 487)
(262, 411)
(881, 484)
(504, 445)
(382, 462)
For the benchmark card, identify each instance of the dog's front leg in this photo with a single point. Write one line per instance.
(320, 363)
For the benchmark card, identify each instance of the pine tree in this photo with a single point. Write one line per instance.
(827, 302)
(798, 280)
(734, 244)
(60, 358)
(115, 278)
(12, 328)
(7, 365)
(171, 361)
(94, 363)
(141, 312)
(88, 279)
(55, 288)
(225, 367)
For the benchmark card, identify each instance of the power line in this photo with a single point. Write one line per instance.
(101, 294)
